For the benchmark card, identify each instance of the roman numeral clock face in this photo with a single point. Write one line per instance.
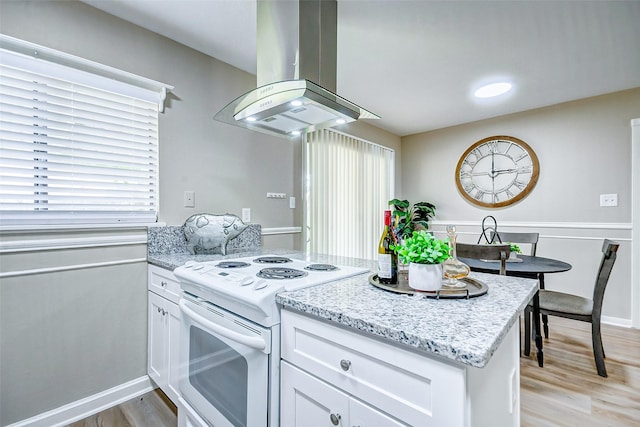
(497, 171)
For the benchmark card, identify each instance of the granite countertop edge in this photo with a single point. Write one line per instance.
(437, 327)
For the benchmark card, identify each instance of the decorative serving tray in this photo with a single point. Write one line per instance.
(474, 288)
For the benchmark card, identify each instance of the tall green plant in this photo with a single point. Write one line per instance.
(408, 218)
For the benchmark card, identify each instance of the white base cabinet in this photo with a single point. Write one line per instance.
(333, 376)
(164, 327)
(308, 401)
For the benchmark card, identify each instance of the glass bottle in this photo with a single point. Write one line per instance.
(453, 269)
(387, 258)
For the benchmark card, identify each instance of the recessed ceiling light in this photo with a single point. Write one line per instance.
(296, 103)
(251, 119)
(341, 121)
(295, 132)
(493, 89)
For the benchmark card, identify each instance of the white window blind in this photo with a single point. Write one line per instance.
(349, 183)
(75, 147)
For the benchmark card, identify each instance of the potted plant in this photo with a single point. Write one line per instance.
(514, 251)
(408, 218)
(424, 254)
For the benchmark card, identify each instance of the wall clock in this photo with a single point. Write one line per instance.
(497, 171)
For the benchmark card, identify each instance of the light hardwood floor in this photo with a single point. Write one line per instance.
(153, 409)
(566, 392)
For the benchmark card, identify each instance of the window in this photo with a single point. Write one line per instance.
(78, 144)
(349, 183)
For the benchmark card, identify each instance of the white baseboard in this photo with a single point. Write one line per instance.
(90, 405)
(616, 321)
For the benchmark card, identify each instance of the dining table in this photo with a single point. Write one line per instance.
(531, 267)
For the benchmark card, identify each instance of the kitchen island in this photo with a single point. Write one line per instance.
(396, 359)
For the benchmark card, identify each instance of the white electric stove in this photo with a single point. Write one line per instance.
(247, 286)
(230, 337)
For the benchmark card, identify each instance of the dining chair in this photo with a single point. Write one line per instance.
(561, 304)
(488, 252)
(514, 237)
(532, 240)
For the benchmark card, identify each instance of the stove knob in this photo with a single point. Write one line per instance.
(260, 284)
(246, 280)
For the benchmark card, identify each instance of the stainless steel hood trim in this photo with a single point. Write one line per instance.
(306, 31)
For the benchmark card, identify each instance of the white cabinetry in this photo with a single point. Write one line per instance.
(164, 326)
(333, 376)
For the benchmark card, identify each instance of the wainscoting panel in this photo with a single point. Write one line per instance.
(73, 318)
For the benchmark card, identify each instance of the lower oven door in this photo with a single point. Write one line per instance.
(224, 365)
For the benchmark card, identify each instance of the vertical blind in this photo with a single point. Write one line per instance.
(74, 152)
(349, 183)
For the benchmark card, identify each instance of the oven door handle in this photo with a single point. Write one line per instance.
(253, 342)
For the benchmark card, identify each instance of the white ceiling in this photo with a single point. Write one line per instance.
(416, 63)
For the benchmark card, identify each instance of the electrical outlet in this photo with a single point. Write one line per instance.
(189, 199)
(608, 200)
(246, 214)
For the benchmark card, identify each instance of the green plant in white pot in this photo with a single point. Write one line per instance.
(424, 254)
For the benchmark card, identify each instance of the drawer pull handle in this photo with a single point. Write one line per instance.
(335, 419)
(345, 364)
(163, 283)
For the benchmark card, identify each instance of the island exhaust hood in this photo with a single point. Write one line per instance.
(296, 72)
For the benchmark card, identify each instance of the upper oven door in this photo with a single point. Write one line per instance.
(224, 365)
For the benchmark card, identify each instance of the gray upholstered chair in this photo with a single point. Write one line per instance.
(518, 238)
(575, 307)
(488, 252)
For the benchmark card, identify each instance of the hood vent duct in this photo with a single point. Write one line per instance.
(296, 72)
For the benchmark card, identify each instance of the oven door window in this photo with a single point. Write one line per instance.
(220, 374)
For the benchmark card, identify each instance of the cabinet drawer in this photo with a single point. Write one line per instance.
(417, 389)
(164, 283)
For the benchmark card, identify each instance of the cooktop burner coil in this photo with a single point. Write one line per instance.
(272, 260)
(232, 264)
(321, 267)
(281, 273)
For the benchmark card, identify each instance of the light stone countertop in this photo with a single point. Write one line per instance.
(466, 331)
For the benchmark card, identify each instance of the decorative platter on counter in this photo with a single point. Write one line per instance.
(474, 288)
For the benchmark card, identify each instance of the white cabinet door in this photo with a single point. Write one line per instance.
(157, 357)
(173, 342)
(308, 402)
(163, 341)
(362, 415)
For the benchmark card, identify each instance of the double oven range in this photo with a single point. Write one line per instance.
(230, 336)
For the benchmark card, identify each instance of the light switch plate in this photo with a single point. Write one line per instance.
(246, 214)
(292, 202)
(189, 199)
(276, 195)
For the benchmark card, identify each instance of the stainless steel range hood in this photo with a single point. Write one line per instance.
(296, 75)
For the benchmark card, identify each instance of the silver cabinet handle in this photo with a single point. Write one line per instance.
(345, 364)
(335, 419)
(163, 283)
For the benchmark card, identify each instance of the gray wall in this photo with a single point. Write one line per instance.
(584, 149)
(83, 331)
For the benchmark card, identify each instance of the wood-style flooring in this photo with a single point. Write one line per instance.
(153, 409)
(566, 392)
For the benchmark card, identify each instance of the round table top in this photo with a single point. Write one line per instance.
(528, 265)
